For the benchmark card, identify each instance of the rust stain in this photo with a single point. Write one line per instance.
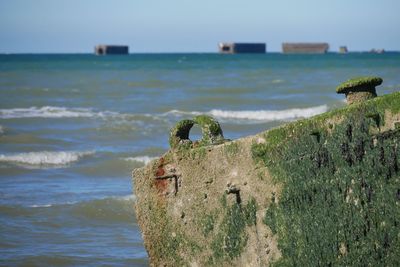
(160, 171)
(161, 185)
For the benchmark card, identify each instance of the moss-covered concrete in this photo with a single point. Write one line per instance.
(179, 135)
(339, 205)
(318, 192)
(211, 133)
(359, 89)
(359, 82)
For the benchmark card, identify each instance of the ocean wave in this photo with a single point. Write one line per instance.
(270, 115)
(42, 205)
(106, 209)
(116, 199)
(277, 81)
(115, 119)
(257, 115)
(176, 112)
(52, 112)
(141, 159)
(240, 116)
(45, 158)
(130, 198)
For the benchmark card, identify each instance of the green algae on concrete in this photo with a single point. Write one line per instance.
(208, 223)
(166, 240)
(211, 132)
(231, 148)
(232, 238)
(368, 81)
(180, 133)
(340, 200)
(359, 89)
(321, 191)
(200, 211)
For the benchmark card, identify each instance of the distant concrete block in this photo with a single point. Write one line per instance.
(111, 50)
(343, 50)
(305, 48)
(242, 48)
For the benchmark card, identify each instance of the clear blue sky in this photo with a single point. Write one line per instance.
(37, 26)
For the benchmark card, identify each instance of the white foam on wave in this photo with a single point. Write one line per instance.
(176, 112)
(258, 115)
(59, 204)
(126, 198)
(270, 115)
(141, 159)
(52, 112)
(41, 205)
(45, 158)
(230, 115)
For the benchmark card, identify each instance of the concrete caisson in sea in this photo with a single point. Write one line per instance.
(305, 48)
(319, 191)
(377, 51)
(111, 50)
(242, 48)
(343, 50)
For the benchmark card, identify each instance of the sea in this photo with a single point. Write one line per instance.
(74, 126)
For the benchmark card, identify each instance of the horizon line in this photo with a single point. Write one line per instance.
(193, 52)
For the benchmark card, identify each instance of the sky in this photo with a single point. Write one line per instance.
(76, 26)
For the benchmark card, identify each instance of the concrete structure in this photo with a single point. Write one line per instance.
(322, 191)
(111, 50)
(359, 89)
(377, 51)
(242, 48)
(305, 48)
(343, 50)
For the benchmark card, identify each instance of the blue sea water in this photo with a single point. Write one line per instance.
(72, 128)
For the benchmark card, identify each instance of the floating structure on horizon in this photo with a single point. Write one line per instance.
(305, 48)
(343, 50)
(111, 50)
(377, 51)
(242, 48)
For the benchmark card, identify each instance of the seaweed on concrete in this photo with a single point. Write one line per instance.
(339, 204)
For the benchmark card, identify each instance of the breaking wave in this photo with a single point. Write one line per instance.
(119, 199)
(259, 115)
(45, 158)
(51, 112)
(241, 116)
(141, 159)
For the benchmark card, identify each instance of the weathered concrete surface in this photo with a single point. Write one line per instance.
(305, 48)
(111, 50)
(322, 191)
(242, 48)
(359, 89)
